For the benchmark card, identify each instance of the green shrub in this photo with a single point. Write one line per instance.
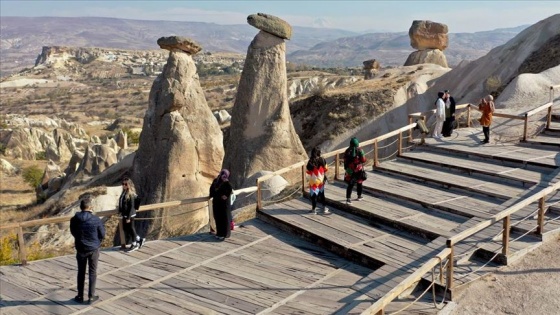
(492, 84)
(32, 175)
(133, 137)
(41, 155)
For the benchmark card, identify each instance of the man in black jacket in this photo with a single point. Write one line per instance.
(88, 232)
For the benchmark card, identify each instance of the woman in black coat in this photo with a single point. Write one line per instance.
(220, 192)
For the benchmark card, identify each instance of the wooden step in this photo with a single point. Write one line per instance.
(464, 204)
(347, 235)
(548, 139)
(449, 178)
(527, 177)
(509, 154)
(429, 223)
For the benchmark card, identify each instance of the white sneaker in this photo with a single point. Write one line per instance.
(360, 198)
(348, 201)
(326, 210)
(313, 211)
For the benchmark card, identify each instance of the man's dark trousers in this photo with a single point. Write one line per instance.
(89, 259)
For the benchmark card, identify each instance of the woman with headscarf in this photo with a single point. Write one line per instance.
(128, 204)
(354, 158)
(316, 169)
(487, 108)
(220, 192)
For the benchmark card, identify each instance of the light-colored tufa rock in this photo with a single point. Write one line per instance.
(179, 43)
(265, 138)
(434, 56)
(222, 116)
(7, 168)
(428, 35)
(122, 139)
(181, 144)
(271, 24)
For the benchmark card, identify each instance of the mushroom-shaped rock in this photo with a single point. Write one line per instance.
(270, 24)
(428, 35)
(174, 43)
(434, 56)
(371, 64)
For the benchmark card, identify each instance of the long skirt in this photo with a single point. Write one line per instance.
(222, 216)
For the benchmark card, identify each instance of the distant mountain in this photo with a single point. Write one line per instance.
(392, 49)
(22, 39)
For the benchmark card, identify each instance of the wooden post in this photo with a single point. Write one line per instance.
(259, 195)
(21, 245)
(375, 154)
(121, 234)
(505, 236)
(450, 269)
(469, 115)
(303, 168)
(525, 127)
(549, 117)
(540, 218)
(400, 144)
(409, 130)
(336, 166)
(381, 312)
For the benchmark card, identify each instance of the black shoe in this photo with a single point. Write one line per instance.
(133, 247)
(141, 242)
(93, 299)
(79, 299)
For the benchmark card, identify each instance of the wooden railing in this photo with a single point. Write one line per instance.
(525, 116)
(378, 308)
(19, 226)
(447, 253)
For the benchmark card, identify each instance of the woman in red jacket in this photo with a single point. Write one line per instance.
(354, 159)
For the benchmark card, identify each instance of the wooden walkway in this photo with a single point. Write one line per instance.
(289, 261)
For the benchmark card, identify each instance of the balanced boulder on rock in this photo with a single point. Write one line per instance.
(173, 43)
(270, 24)
(265, 138)
(430, 38)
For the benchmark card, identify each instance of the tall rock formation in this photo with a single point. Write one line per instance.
(262, 135)
(430, 38)
(181, 144)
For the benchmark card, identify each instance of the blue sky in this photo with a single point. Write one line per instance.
(359, 16)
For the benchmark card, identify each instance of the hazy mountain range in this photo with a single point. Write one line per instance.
(22, 38)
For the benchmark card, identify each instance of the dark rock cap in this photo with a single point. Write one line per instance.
(172, 43)
(270, 24)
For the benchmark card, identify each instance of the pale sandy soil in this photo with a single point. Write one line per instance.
(529, 286)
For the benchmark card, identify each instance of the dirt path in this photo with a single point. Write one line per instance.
(529, 286)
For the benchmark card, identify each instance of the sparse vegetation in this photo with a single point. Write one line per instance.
(133, 137)
(32, 175)
(41, 155)
(493, 83)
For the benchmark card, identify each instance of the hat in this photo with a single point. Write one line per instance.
(446, 91)
(354, 142)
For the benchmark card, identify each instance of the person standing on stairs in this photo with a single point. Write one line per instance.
(316, 170)
(449, 114)
(440, 115)
(220, 192)
(354, 159)
(128, 204)
(88, 232)
(486, 106)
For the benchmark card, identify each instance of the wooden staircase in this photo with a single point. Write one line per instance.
(413, 203)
